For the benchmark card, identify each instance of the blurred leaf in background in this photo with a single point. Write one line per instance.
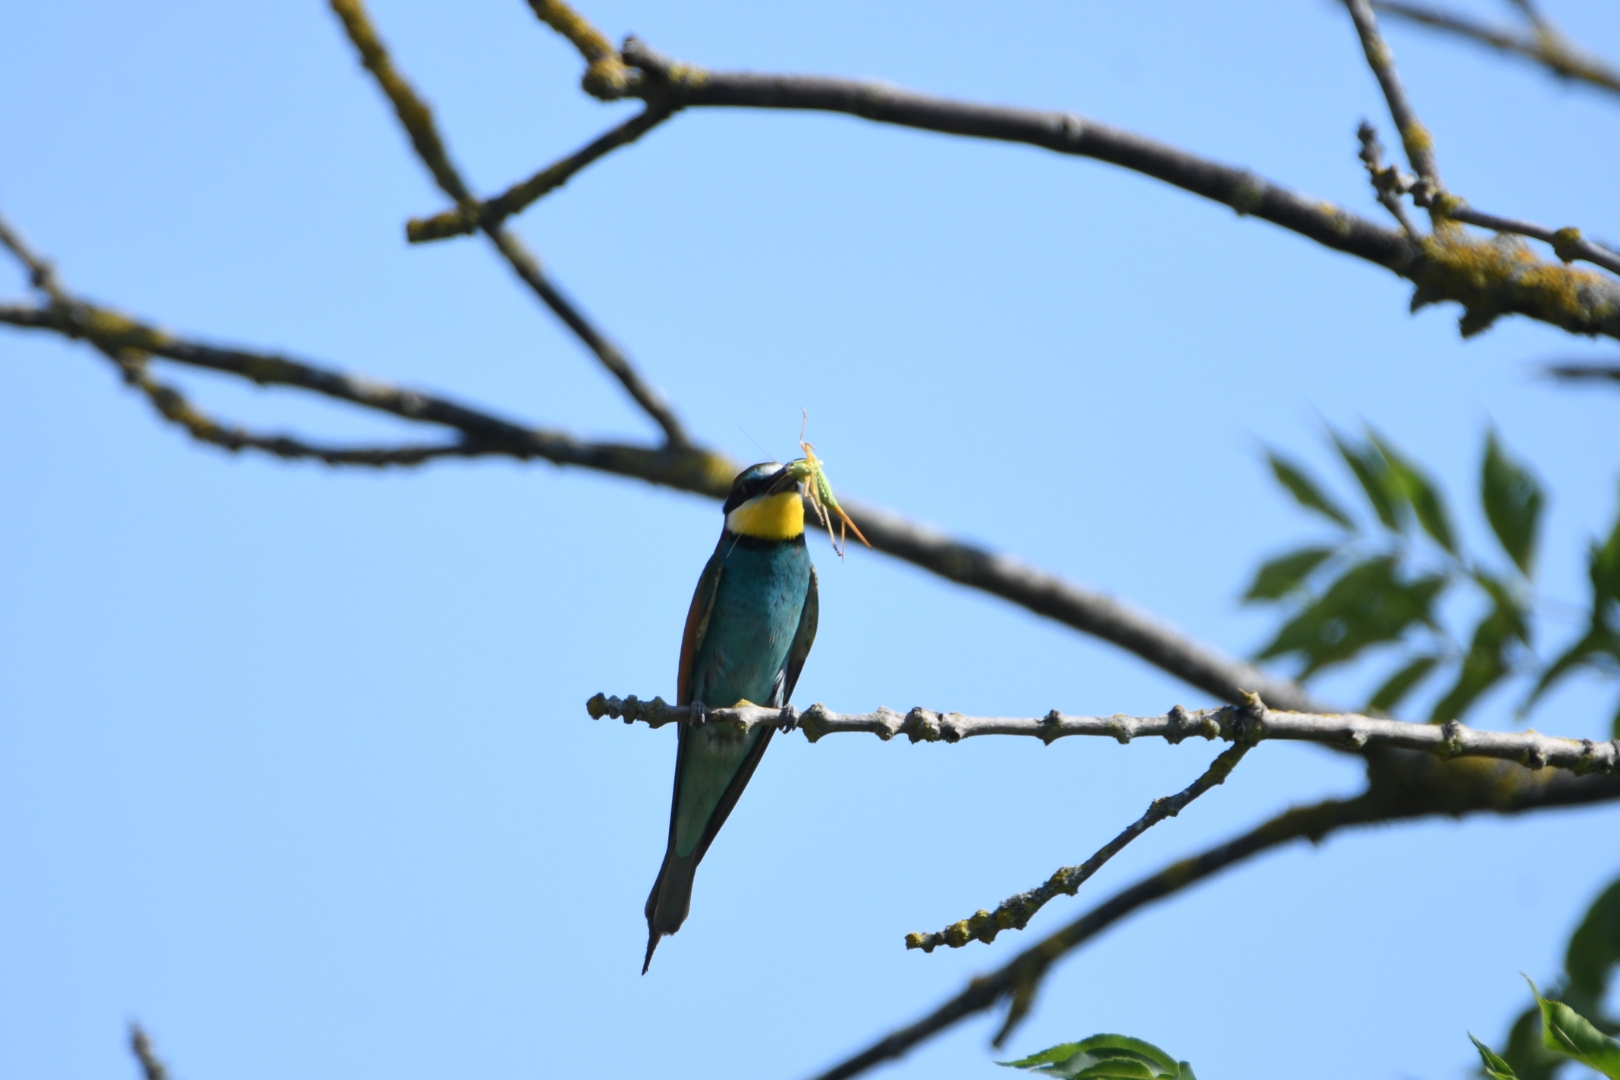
(1105, 1057)
(1565, 1031)
(1590, 961)
(1383, 585)
(1598, 648)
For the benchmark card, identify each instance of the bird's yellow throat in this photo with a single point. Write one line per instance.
(769, 517)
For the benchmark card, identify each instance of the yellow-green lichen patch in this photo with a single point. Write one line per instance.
(688, 76)
(1502, 276)
(1565, 241)
(1417, 140)
(1339, 220)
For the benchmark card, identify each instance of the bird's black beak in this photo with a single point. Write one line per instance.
(784, 481)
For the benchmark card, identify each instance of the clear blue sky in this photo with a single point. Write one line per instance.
(294, 765)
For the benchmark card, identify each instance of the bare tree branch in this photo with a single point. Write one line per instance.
(152, 1067)
(689, 86)
(685, 468)
(692, 469)
(472, 216)
(41, 275)
(1015, 912)
(1544, 45)
(604, 73)
(175, 407)
(1567, 243)
(1387, 181)
(1489, 278)
(1576, 371)
(1399, 788)
(1088, 610)
(1390, 184)
(1250, 722)
(1417, 140)
(417, 119)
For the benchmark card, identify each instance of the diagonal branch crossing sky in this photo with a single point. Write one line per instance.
(294, 762)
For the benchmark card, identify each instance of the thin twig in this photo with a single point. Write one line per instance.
(687, 468)
(414, 114)
(1388, 183)
(1015, 912)
(1576, 371)
(1487, 281)
(1567, 243)
(687, 85)
(1415, 137)
(417, 119)
(528, 269)
(1411, 789)
(704, 472)
(605, 74)
(176, 408)
(1252, 721)
(152, 1067)
(1548, 49)
(470, 217)
(41, 275)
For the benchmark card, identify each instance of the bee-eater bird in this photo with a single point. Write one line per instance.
(748, 631)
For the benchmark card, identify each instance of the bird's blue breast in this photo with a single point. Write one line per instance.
(753, 621)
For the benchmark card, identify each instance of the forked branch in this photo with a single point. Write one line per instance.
(417, 119)
(472, 216)
(688, 468)
(1015, 912)
(1400, 788)
(1487, 277)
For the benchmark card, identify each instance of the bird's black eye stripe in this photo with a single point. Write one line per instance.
(743, 490)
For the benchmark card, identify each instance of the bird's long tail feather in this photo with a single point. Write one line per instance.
(670, 899)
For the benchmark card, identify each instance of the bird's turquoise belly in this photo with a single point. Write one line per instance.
(751, 628)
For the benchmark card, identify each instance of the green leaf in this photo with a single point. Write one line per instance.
(1511, 609)
(1565, 1031)
(1486, 662)
(1305, 491)
(1116, 1068)
(1494, 1066)
(1524, 1052)
(1124, 1044)
(1594, 947)
(1368, 605)
(1373, 471)
(1282, 575)
(1401, 683)
(1587, 651)
(1105, 1057)
(1050, 1056)
(1604, 568)
(1601, 642)
(1513, 502)
(1420, 492)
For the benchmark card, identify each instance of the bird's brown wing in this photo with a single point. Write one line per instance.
(697, 624)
